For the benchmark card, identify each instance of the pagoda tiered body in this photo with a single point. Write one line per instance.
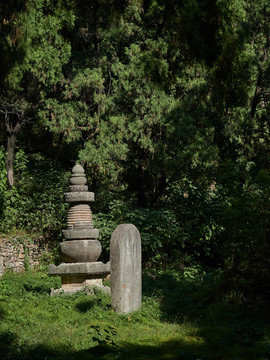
(82, 248)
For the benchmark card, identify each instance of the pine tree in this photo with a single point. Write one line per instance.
(34, 53)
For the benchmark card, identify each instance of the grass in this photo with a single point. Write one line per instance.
(182, 317)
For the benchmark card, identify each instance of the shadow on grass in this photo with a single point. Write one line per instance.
(181, 298)
(85, 306)
(170, 350)
(228, 328)
(175, 350)
(201, 298)
(100, 299)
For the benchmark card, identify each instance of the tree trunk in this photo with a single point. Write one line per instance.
(11, 142)
(13, 125)
(159, 187)
(256, 97)
(95, 21)
(141, 197)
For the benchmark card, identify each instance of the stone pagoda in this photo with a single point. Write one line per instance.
(81, 248)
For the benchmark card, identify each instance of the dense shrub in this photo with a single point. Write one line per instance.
(35, 203)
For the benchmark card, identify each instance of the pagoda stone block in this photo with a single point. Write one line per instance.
(75, 234)
(81, 249)
(79, 197)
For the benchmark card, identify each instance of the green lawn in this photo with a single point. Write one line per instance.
(181, 318)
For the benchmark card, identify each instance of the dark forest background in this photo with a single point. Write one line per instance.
(166, 104)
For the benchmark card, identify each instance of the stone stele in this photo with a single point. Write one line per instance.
(125, 262)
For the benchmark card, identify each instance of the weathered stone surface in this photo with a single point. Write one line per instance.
(79, 217)
(94, 268)
(76, 234)
(80, 180)
(77, 169)
(1, 265)
(78, 188)
(78, 175)
(12, 253)
(79, 281)
(86, 288)
(80, 251)
(81, 225)
(80, 197)
(126, 278)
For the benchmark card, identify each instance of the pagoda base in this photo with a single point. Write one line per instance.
(79, 281)
(76, 276)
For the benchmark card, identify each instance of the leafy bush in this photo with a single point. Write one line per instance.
(198, 212)
(246, 248)
(158, 228)
(35, 203)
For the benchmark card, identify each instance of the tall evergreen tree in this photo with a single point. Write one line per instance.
(34, 52)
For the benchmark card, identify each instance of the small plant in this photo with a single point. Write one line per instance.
(26, 262)
(103, 335)
(3, 289)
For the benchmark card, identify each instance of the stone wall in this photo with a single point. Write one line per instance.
(18, 254)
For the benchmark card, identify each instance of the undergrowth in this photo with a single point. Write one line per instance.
(183, 316)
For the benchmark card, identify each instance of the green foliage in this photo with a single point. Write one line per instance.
(36, 203)
(161, 244)
(26, 285)
(157, 239)
(33, 37)
(246, 219)
(198, 211)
